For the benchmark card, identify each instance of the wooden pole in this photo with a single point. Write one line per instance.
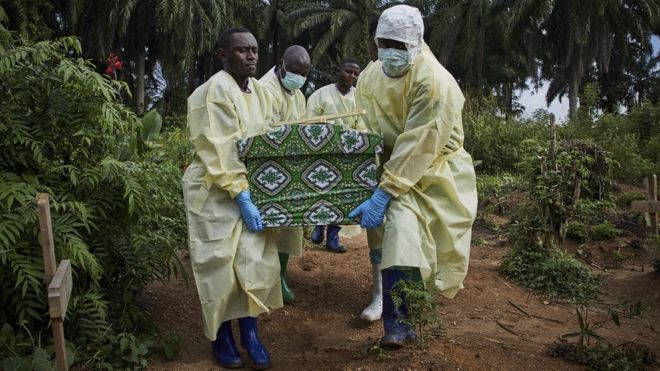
(653, 197)
(59, 281)
(322, 119)
(46, 229)
(59, 292)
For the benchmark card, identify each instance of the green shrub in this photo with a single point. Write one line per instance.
(556, 274)
(495, 190)
(116, 213)
(422, 305)
(578, 231)
(603, 231)
(540, 266)
(496, 141)
(626, 198)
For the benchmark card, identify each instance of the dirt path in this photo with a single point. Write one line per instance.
(484, 329)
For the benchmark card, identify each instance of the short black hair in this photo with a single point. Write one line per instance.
(348, 60)
(226, 36)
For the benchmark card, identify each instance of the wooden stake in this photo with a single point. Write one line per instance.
(59, 281)
(46, 229)
(322, 119)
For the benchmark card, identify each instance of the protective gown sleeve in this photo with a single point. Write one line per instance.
(214, 128)
(315, 105)
(426, 132)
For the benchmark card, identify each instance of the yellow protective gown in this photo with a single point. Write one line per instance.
(236, 271)
(285, 106)
(327, 101)
(426, 170)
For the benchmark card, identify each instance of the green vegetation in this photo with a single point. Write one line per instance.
(558, 178)
(113, 172)
(601, 355)
(422, 307)
(116, 207)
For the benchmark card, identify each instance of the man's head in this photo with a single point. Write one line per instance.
(239, 52)
(399, 36)
(349, 70)
(401, 23)
(294, 67)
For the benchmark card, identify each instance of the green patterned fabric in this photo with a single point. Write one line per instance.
(310, 174)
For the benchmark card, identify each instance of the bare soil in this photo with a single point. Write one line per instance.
(492, 324)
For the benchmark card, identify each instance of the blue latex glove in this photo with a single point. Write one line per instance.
(249, 212)
(372, 211)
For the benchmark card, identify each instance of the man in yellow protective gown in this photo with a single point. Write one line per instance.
(234, 261)
(335, 98)
(283, 83)
(426, 200)
(338, 97)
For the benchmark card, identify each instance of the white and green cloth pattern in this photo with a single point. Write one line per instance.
(310, 174)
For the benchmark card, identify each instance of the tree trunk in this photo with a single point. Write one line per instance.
(572, 96)
(139, 88)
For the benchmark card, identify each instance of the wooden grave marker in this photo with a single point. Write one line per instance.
(60, 281)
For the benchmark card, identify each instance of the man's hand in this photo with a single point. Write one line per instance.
(372, 211)
(249, 212)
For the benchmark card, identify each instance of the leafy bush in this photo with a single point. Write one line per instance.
(577, 231)
(551, 271)
(116, 214)
(495, 191)
(496, 141)
(603, 231)
(626, 198)
(631, 141)
(422, 306)
(559, 275)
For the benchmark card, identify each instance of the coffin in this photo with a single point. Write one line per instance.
(310, 174)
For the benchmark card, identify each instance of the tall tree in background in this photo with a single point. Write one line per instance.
(340, 27)
(172, 32)
(575, 35)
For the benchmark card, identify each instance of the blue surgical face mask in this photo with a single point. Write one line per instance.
(395, 62)
(292, 81)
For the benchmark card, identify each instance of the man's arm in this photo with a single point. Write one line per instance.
(214, 128)
(426, 133)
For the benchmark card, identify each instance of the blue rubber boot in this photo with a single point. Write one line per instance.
(332, 243)
(250, 341)
(397, 332)
(317, 234)
(224, 348)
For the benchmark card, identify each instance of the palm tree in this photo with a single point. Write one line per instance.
(333, 28)
(173, 32)
(572, 36)
(468, 39)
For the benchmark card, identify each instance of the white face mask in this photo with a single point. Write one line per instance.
(292, 81)
(395, 62)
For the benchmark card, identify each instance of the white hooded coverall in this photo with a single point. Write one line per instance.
(426, 170)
